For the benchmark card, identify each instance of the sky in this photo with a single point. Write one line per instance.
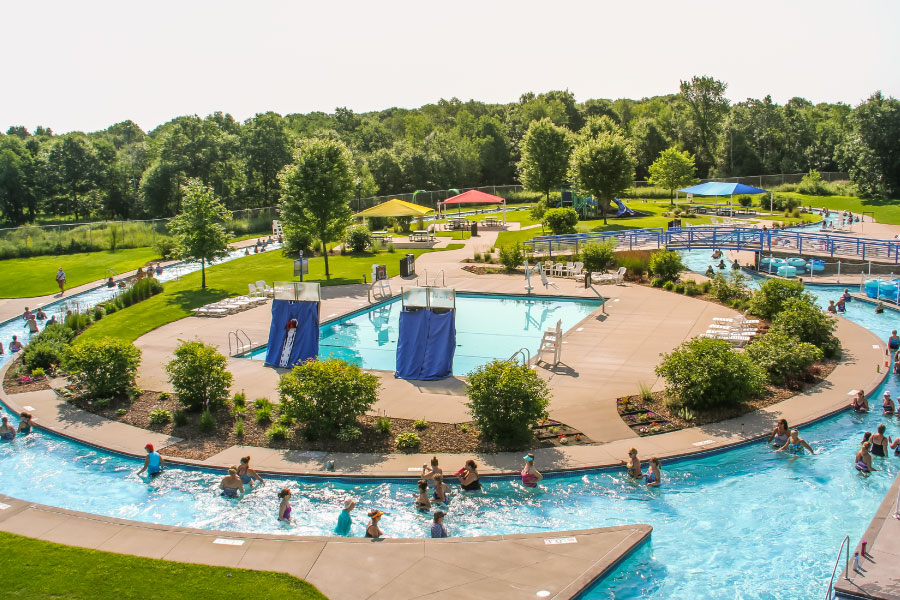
(86, 65)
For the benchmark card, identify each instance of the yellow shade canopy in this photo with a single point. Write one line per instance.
(395, 208)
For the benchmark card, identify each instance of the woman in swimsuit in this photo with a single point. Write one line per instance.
(895, 446)
(372, 530)
(25, 423)
(860, 404)
(284, 509)
(7, 431)
(796, 444)
(887, 404)
(247, 474)
(468, 477)
(530, 476)
(231, 484)
(654, 476)
(422, 501)
(879, 442)
(780, 434)
(894, 341)
(429, 473)
(864, 459)
(634, 464)
(879, 308)
(846, 297)
(441, 490)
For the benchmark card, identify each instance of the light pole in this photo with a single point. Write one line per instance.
(358, 192)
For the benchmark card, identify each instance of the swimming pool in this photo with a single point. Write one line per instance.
(487, 327)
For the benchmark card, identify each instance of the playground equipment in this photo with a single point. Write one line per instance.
(623, 211)
(586, 206)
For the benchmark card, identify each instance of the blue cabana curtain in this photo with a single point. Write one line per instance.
(289, 345)
(425, 345)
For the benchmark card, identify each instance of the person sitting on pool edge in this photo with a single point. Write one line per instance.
(887, 404)
(654, 475)
(468, 477)
(860, 403)
(231, 484)
(796, 444)
(153, 462)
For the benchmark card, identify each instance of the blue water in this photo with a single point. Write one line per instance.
(487, 327)
(94, 296)
(745, 523)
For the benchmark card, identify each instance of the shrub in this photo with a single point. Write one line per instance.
(327, 395)
(728, 288)
(383, 425)
(239, 427)
(599, 257)
(636, 262)
(77, 322)
(180, 418)
(43, 354)
(560, 220)
(705, 287)
(165, 247)
(198, 375)
(122, 412)
(358, 238)
(785, 358)
(263, 414)
(97, 313)
(537, 211)
(207, 422)
(160, 416)
(691, 290)
(110, 307)
(164, 395)
(277, 432)
(745, 201)
(391, 248)
(679, 288)
(140, 291)
(802, 319)
(262, 403)
(38, 372)
(771, 296)
(505, 399)
(669, 285)
(645, 392)
(477, 257)
(420, 424)
(707, 374)
(105, 367)
(240, 400)
(813, 185)
(408, 441)
(656, 282)
(511, 256)
(349, 433)
(667, 264)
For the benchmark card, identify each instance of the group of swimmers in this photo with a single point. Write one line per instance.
(31, 324)
(8, 432)
(785, 439)
(877, 444)
(840, 306)
(653, 477)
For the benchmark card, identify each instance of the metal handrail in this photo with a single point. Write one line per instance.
(524, 352)
(111, 273)
(836, 563)
(443, 281)
(239, 346)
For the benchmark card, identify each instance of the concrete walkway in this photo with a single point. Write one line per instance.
(879, 573)
(554, 565)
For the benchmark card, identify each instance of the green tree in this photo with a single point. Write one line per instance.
(506, 399)
(315, 189)
(199, 376)
(648, 142)
(266, 148)
(545, 156)
(707, 107)
(604, 167)
(103, 368)
(16, 184)
(72, 163)
(872, 153)
(198, 230)
(673, 170)
(560, 220)
(599, 256)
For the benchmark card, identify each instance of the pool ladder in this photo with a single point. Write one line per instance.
(240, 347)
(522, 352)
(434, 282)
(845, 542)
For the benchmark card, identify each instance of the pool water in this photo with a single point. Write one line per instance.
(487, 327)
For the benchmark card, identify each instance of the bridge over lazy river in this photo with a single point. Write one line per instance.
(748, 239)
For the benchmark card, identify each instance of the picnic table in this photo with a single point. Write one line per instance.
(421, 236)
(491, 222)
(457, 223)
(382, 236)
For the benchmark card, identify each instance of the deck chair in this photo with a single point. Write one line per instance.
(266, 290)
(551, 342)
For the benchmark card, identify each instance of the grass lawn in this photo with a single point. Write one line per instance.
(45, 571)
(36, 276)
(231, 279)
(886, 211)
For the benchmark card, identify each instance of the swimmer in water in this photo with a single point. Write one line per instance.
(780, 434)
(231, 484)
(654, 475)
(247, 474)
(796, 444)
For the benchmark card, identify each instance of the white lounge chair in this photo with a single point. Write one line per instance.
(267, 290)
(254, 291)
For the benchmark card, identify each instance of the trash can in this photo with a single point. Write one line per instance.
(408, 265)
(474, 228)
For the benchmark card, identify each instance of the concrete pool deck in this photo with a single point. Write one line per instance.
(879, 576)
(554, 565)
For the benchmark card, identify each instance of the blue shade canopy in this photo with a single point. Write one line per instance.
(718, 188)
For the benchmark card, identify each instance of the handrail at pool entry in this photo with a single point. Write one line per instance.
(239, 346)
(845, 545)
(524, 352)
(737, 238)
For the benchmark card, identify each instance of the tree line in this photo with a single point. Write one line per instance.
(123, 172)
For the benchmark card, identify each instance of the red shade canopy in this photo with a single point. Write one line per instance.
(473, 197)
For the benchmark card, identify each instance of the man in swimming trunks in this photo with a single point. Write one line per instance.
(153, 462)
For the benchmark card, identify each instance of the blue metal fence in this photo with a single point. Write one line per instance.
(732, 238)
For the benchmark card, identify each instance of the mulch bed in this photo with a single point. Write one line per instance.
(198, 445)
(483, 270)
(654, 417)
(15, 385)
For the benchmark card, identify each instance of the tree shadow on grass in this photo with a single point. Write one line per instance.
(188, 299)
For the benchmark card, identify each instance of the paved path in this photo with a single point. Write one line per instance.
(503, 567)
(879, 575)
